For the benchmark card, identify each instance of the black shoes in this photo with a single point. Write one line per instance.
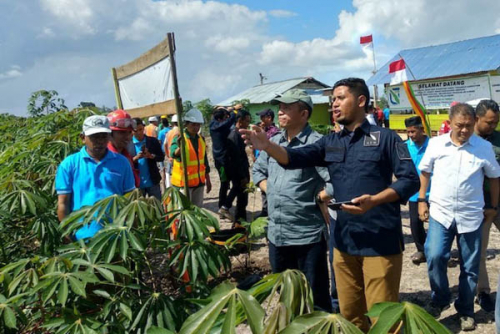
(485, 301)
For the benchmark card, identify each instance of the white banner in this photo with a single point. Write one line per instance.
(439, 94)
(151, 85)
(495, 88)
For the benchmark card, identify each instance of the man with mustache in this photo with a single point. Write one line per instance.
(361, 160)
(91, 174)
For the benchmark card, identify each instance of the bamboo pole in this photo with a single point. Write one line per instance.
(178, 109)
(420, 91)
(118, 96)
(375, 88)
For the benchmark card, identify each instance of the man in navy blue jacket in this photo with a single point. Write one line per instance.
(220, 127)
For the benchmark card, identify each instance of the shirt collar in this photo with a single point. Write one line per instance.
(364, 127)
(302, 136)
(85, 154)
(135, 140)
(472, 140)
(424, 145)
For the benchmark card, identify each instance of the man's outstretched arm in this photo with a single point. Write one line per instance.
(258, 139)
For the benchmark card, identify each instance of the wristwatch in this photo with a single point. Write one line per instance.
(422, 200)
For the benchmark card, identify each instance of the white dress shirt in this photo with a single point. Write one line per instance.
(457, 181)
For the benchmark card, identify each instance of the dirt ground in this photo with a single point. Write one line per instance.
(414, 281)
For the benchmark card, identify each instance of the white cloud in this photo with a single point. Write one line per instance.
(221, 47)
(76, 13)
(46, 33)
(282, 13)
(14, 72)
(230, 45)
(414, 22)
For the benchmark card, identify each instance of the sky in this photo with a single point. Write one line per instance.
(71, 45)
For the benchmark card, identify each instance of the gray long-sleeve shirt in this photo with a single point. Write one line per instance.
(294, 217)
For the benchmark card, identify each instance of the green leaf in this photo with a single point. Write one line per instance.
(123, 246)
(110, 251)
(127, 312)
(388, 318)
(313, 322)
(158, 330)
(62, 294)
(254, 312)
(118, 269)
(229, 325)
(9, 318)
(77, 286)
(107, 274)
(135, 242)
(102, 293)
(202, 321)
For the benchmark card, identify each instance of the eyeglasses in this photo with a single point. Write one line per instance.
(124, 123)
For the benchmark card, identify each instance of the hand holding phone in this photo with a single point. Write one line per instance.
(338, 205)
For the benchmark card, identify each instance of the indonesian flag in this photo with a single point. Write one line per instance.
(366, 39)
(398, 70)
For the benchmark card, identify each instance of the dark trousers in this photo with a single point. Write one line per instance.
(417, 227)
(333, 285)
(386, 123)
(237, 191)
(224, 183)
(311, 260)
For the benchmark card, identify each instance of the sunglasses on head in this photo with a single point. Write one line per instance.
(125, 123)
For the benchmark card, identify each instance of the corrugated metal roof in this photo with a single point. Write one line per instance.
(266, 92)
(464, 57)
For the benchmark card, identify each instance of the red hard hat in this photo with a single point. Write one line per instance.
(120, 120)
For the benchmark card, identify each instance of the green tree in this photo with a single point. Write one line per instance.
(45, 101)
(206, 107)
(382, 103)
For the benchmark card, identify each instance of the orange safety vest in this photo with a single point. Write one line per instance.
(170, 137)
(195, 165)
(151, 130)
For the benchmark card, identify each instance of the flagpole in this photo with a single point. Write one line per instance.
(420, 91)
(375, 88)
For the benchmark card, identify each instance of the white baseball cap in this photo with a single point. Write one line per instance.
(153, 119)
(96, 124)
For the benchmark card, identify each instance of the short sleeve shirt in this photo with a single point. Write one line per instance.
(457, 180)
(89, 181)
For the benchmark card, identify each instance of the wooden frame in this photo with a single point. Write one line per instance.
(147, 59)
(162, 108)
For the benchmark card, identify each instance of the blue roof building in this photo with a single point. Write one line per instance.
(440, 74)
(446, 60)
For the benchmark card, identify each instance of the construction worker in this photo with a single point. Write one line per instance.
(164, 123)
(196, 156)
(122, 125)
(151, 130)
(166, 146)
(164, 128)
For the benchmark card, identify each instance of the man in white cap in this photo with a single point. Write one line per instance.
(151, 129)
(91, 174)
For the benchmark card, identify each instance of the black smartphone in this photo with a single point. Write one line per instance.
(336, 205)
(143, 148)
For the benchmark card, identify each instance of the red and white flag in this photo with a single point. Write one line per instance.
(398, 70)
(366, 40)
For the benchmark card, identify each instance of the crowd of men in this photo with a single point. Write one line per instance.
(323, 195)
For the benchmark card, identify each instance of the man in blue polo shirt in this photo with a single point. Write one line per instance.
(417, 144)
(91, 174)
